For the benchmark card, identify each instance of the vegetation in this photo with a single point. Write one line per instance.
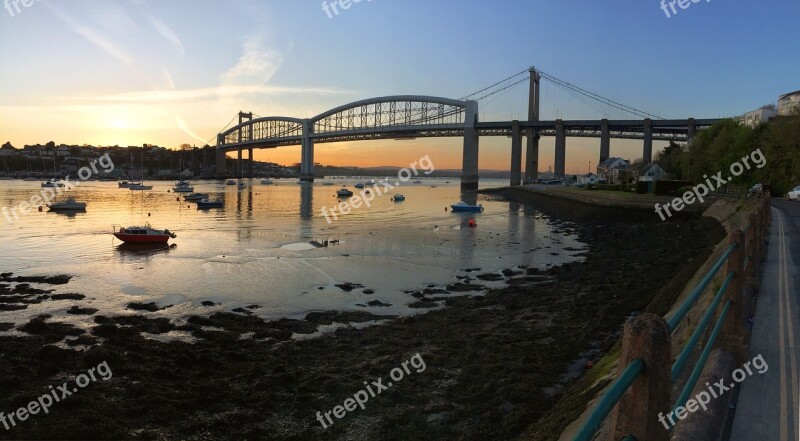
(723, 144)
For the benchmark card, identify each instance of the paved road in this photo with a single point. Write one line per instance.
(768, 402)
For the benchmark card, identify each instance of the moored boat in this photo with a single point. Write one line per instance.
(230, 182)
(145, 234)
(69, 204)
(343, 192)
(140, 186)
(398, 198)
(267, 181)
(52, 183)
(123, 184)
(195, 197)
(463, 207)
(359, 185)
(183, 187)
(205, 204)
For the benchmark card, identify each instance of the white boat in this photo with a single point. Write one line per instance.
(124, 184)
(327, 183)
(267, 181)
(183, 187)
(230, 182)
(52, 183)
(69, 204)
(343, 192)
(145, 234)
(139, 186)
(195, 197)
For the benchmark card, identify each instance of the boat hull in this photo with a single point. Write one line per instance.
(142, 238)
(466, 209)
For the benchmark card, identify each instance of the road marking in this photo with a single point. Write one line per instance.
(790, 321)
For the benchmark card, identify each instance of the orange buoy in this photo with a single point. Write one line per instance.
(472, 223)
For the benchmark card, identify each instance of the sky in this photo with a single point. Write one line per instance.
(130, 72)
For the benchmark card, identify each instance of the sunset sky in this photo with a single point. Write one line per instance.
(129, 72)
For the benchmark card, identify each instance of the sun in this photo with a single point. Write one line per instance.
(118, 124)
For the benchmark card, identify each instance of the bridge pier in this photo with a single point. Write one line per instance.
(307, 154)
(239, 163)
(561, 149)
(250, 163)
(516, 154)
(647, 153)
(605, 140)
(222, 167)
(532, 150)
(469, 162)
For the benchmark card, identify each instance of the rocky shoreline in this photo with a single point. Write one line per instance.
(495, 363)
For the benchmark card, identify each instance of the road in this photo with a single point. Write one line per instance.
(768, 403)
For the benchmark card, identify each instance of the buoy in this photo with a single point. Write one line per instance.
(148, 214)
(472, 223)
(445, 208)
(178, 199)
(40, 208)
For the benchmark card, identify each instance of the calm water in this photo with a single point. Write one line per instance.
(257, 249)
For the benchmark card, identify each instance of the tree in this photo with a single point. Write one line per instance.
(8, 146)
(184, 147)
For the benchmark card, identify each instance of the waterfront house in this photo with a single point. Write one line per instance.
(588, 178)
(648, 172)
(606, 168)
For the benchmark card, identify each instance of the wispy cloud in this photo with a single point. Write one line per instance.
(183, 126)
(176, 96)
(168, 34)
(257, 65)
(93, 36)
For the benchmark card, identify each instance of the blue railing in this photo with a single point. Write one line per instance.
(636, 367)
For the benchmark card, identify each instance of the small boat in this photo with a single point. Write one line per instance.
(398, 198)
(372, 182)
(242, 185)
(183, 187)
(267, 181)
(230, 182)
(343, 192)
(52, 183)
(140, 186)
(145, 234)
(123, 184)
(206, 204)
(195, 197)
(463, 207)
(418, 181)
(69, 204)
(359, 185)
(327, 183)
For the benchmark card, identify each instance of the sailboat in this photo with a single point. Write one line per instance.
(135, 186)
(52, 183)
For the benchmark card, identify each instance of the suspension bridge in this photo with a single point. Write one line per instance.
(416, 116)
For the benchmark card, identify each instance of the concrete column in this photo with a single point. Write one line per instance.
(532, 135)
(561, 149)
(194, 161)
(647, 151)
(690, 130)
(250, 163)
(647, 337)
(205, 160)
(469, 161)
(222, 168)
(307, 153)
(605, 140)
(239, 162)
(516, 153)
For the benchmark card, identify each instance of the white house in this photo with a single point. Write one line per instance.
(651, 172)
(588, 178)
(758, 116)
(606, 168)
(788, 102)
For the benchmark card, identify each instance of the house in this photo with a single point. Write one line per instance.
(647, 172)
(758, 116)
(605, 169)
(588, 178)
(788, 102)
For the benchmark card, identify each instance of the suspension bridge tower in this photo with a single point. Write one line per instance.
(532, 151)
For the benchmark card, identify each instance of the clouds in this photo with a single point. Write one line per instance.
(257, 65)
(168, 34)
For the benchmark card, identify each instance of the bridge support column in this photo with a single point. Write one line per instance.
(690, 130)
(250, 163)
(239, 168)
(222, 167)
(561, 149)
(532, 150)
(605, 140)
(205, 160)
(516, 153)
(194, 161)
(469, 162)
(647, 153)
(307, 154)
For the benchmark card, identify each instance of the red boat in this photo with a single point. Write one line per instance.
(145, 234)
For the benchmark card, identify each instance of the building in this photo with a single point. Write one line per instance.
(788, 102)
(606, 168)
(588, 178)
(651, 172)
(758, 116)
